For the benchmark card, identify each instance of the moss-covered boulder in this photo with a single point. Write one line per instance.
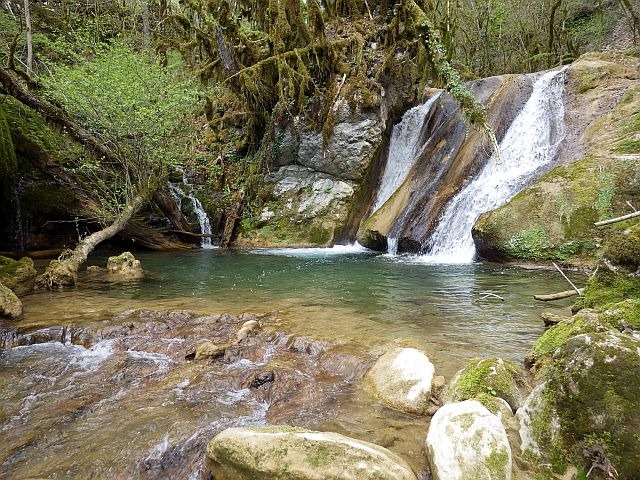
(486, 378)
(553, 218)
(623, 315)
(125, 266)
(18, 275)
(467, 442)
(588, 411)
(10, 304)
(402, 378)
(285, 453)
(608, 285)
(585, 321)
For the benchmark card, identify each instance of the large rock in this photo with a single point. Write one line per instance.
(467, 442)
(18, 275)
(10, 304)
(281, 452)
(402, 379)
(125, 265)
(589, 408)
(553, 218)
(491, 377)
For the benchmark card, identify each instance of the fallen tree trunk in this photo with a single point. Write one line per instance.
(617, 219)
(559, 295)
(64, 271)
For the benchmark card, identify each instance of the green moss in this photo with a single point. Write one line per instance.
(45, 199)
(628, 147)
(8, 160)
(487, 377)
(529, 244)
(623, 249)
(18, 275)
(621, 315)
(607, 287)
(497, 463)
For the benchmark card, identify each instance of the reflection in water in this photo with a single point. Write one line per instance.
(131, 406)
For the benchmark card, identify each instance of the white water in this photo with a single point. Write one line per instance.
(392, 246)
(529, 145)
(404, 149)
(205, 225)
(350, 249)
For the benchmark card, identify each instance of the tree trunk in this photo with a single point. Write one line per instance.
(27, 21)
(146, 30)
(64, 271)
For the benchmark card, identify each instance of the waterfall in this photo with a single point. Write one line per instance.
(205, 225)
(392, 246)
(529, 146)
(404, 148)
(18, 227)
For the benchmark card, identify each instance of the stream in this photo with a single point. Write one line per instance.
(94, 382)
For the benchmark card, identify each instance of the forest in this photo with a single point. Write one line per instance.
(340, 212)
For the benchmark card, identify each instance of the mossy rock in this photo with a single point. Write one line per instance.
(623, 315)
(608, 285)
(623, 249)
(10, 305)
(585, 321)
(590, 404)
(18, 275)
(486, 378)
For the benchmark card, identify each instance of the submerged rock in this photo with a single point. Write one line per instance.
(10, 304)
(492, 377)
(588, 411)
(125, 265)
(467, 442)
(18, 275)
(282, 452)
(402, 379)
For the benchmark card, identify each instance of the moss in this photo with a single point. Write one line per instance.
(528, 244)
(8, 160)
(628, 147)
(18, 275)
(623, 249)
(497, 463)
(607, 287)
(555, 337)
(490, 376)
(622, 315)
(44, 199)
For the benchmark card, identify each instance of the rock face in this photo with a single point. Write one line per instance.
(467, 442)
(287, 453)
(451, 154)
(491, 377)
(125, 265)
(597, 176)
(10, 304)
(311, 193)
(402, 379)
(19, 276)
(589, 408)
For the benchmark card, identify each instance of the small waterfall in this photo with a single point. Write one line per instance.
(205, 225)
(404, 149)
(529, 145)
(392, 246)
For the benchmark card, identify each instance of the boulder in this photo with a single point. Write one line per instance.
(18, 275)
(125, 265)
(492, 377)
(281, 452)
(466, 441)
(10, 304)
(402, 379)
(588, 411)
(209, 350)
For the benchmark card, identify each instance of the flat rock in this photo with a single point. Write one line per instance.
(281, 452)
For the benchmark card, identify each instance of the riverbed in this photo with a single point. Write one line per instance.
(128, 404)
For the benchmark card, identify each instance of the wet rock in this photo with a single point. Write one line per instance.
(260, 379)
(492, 377)
(402, 379)
(589, 405)
(19, 276)
(125, 265)
(209, 350)
(247, 327)
(10, 304)
(467, 442)
(282, 452)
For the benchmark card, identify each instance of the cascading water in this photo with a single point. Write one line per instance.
(404, 149)
(529, 145)
(205, 225)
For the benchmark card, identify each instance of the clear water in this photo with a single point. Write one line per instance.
(134, 408)
(528, 147)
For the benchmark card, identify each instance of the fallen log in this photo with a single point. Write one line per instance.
(617, 219)
(559, 295)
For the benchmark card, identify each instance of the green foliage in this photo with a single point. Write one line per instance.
(8, 161)
(134, 105)
(529, 244)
